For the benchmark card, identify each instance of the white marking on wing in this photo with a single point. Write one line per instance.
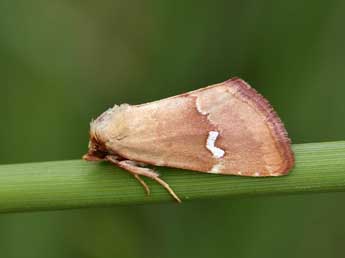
(216, 168)
(210, 145)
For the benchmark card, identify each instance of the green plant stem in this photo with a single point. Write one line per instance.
(77, 183)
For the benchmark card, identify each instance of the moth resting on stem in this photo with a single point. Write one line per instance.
(227, 128)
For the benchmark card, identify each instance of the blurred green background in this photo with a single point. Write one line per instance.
(64, 62)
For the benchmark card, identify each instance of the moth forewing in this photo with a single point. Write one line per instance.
(226, 128)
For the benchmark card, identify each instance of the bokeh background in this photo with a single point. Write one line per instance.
(63, 62)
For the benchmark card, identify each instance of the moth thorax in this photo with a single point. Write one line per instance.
(109, 125)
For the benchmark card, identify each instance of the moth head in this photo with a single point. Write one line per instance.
(97, 151)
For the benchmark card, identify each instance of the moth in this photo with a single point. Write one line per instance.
(226, 128)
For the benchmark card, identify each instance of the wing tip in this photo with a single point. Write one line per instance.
(274, 121)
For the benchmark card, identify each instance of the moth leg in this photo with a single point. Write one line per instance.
(167, 187)
(115, 161)
(133, 168)
(142, 182)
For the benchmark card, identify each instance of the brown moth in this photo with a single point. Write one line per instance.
(227, 128)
